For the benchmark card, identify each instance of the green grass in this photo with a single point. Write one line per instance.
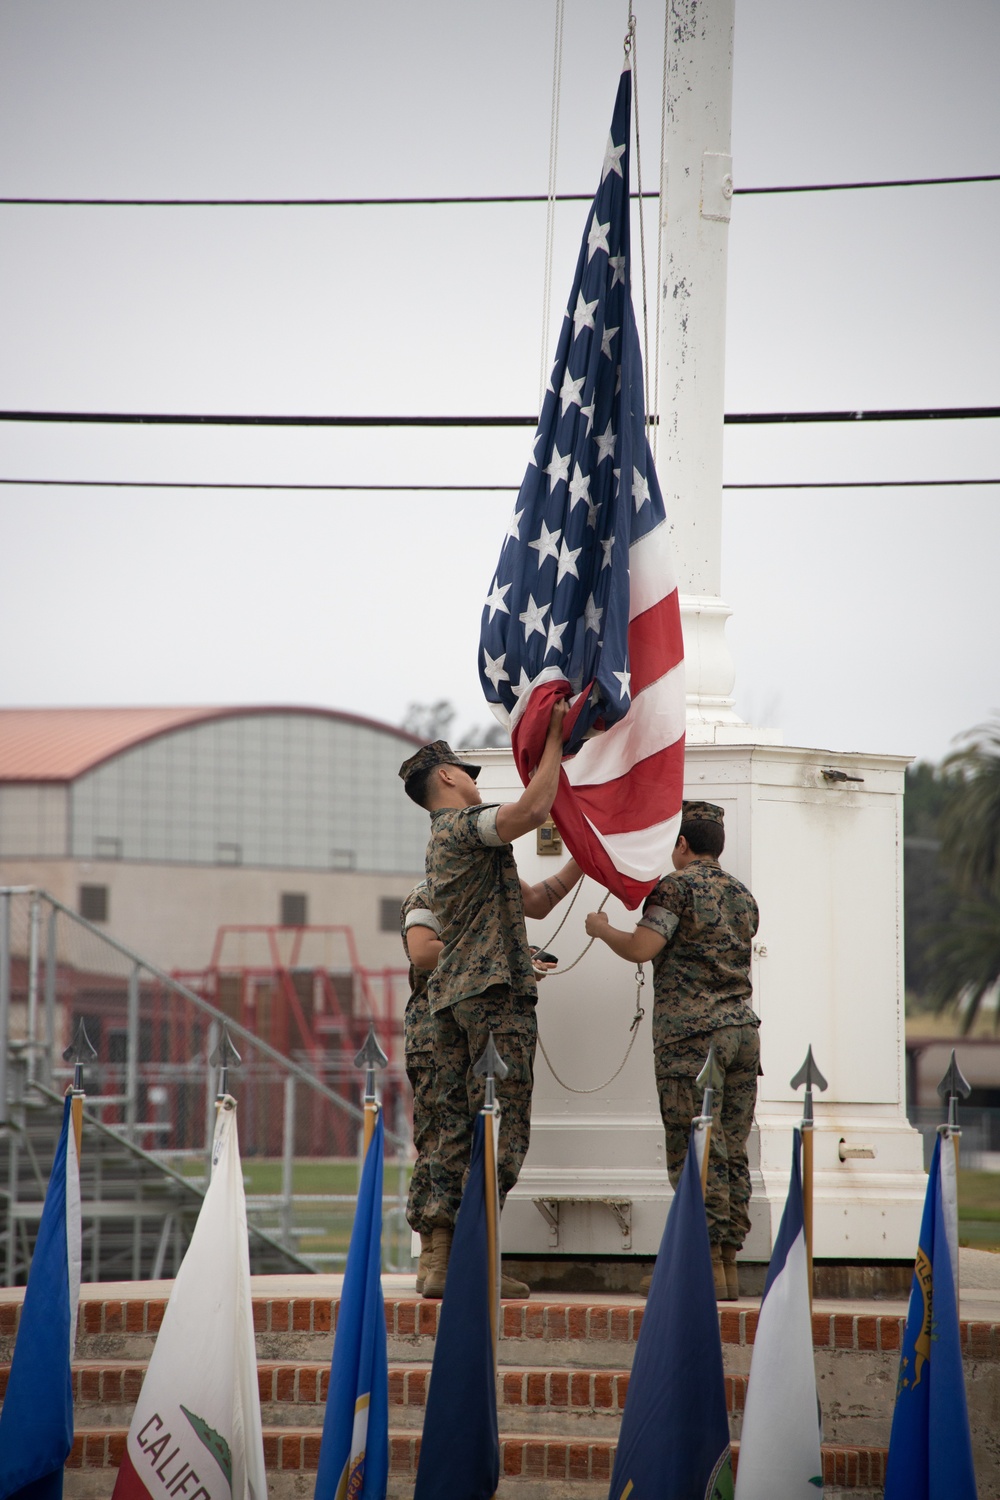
(979, 1210)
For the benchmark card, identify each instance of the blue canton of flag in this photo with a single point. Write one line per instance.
(930, 1446)
(36, 1422)
(583, 601)
(354, 1453)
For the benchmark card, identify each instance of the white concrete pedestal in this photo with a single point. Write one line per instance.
(823, 856)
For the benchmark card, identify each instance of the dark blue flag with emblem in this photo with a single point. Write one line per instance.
(460, 1446)
(674, 1438)
(930, 1447)
(583, 602)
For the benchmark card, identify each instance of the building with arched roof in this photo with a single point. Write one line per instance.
(165, 824)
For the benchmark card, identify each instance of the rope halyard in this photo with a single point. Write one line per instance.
(543, 372)
(659, 236)
(633, 1028)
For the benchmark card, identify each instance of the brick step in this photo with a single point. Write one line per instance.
(554, 1467)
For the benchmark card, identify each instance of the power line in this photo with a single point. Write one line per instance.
(458, 200)
(197, 484)
(233, 419)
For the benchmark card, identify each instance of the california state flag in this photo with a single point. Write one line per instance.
(196, 1433)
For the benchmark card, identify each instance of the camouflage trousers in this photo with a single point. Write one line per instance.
(678, 1062)
(461, 1033)
(421, 1070)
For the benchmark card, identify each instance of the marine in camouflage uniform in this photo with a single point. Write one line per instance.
(418, 1046)
(484, 980)
(701, 994)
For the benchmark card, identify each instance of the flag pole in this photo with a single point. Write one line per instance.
(808, 1074)
(370, 1057)
(952, 1086)
(224, 1057)
(492, 1065)
(79, 1051)
(709, 1080)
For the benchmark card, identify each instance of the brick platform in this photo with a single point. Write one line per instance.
(562, 1386)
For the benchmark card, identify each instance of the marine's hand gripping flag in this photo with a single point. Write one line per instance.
(583, 600)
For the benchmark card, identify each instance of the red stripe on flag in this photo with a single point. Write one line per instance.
(647, 794)
(128, 1485)
(655, 643)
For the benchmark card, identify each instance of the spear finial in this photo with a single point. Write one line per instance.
(225, 1056)
(370, 1057)
(953, 1084)
(492, 1065)
(810, 1075)
(82, 1050)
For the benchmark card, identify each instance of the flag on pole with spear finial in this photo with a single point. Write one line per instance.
(930, 1445)
(460, 1447)
(354, 1453)
(583, 603)
(197, 1425)
(36, 1420)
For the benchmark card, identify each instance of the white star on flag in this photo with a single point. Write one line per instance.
(553, 641)
(640, 489)
(512, 526)
(592, 616)
(584, 315)
(567, 562)
(579, 488)
(588, 412)
(558, 468)
(597, 239)
(546, 544)
(617, 264)
(532, 459)
(569, 394)
(533, 618)
(607, 544)
(494, 668)
(496, 597)
(593, 509)
(606, 338)
(612, 158)
(606, 445)
(523, 683)
(625, 679)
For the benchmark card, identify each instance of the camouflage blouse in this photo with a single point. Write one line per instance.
(475, 894)
(701, 977)
(418, 1030)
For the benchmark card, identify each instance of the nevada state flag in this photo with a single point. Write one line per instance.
(583, 602)
(196, 1429)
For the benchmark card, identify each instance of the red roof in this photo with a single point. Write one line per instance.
(59, 744)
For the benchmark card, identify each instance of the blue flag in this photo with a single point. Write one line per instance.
(460, 1447)
(930, 1448)
(354, 1453)
(36, 1422)
(675, 1432)
(780, 1443)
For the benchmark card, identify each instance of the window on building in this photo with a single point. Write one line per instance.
(294, 909)
(93, 903)
(389, 909)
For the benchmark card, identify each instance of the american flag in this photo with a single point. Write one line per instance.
(583, 600)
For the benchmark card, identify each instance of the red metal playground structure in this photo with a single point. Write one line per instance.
(302, 991)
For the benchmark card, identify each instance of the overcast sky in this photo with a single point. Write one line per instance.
(865, 619)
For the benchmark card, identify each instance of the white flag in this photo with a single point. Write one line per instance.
(196, 1433)
(780, 1455)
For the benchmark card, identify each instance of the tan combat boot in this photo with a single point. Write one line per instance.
(437, 1271)
(424, 1263)
(722, 1293)
(511, 1287)
(732, 1272)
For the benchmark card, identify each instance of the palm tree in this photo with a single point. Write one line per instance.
(965, 959)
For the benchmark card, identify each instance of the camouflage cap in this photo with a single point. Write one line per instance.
(438, 753)
(703, 812)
